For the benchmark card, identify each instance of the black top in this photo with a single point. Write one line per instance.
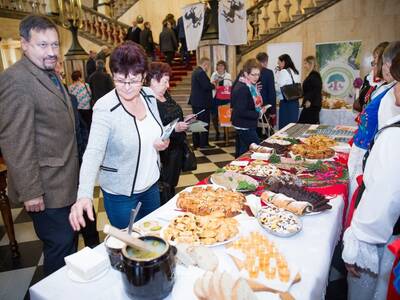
(133, 35)
(100, 84)
(268, 92)
(90, 67)
(201, 92)
(169, 111)
(146, 40)
(312, 89)
(168, 42)
(244, 112)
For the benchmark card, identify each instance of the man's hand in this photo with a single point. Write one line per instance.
(76, 218)
(353, 270)
(34, 205)
(161, 145)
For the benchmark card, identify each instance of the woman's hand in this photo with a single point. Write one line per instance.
(76, 218)
(181, 126)
(259, 86)
(307, 104)
(353, 270)
(161, 145)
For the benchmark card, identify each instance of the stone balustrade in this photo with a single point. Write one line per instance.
(268, 16)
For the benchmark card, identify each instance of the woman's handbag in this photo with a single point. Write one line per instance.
(292, 91)
(223, 92)
(189, 162)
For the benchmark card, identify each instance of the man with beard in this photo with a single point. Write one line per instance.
(37, 139)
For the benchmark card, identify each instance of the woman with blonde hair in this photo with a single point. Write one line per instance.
(312, 91)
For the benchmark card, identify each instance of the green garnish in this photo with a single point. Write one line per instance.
(220, 170)
(246, 186)
(297, 158)
(317, 166)
(230, 178)
(274, 159)
(292, 140)
(146, 224)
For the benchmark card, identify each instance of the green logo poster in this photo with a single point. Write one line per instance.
(339, 65)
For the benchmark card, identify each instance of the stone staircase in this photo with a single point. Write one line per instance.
(284, 14)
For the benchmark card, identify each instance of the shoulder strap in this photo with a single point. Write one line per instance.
(290, 73)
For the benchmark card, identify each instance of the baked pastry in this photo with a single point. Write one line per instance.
(205, 201)
(312, 151)
(318, 201)
(200, 230)
(287, 203)
(319, 140)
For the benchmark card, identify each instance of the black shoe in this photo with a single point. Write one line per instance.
(207, 147)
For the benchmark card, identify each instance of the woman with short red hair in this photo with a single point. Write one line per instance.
(124, 144)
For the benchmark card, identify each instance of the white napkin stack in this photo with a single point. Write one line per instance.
(87, 263)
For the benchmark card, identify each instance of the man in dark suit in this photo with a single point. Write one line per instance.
(133, 33)
(91, 64)
(37, 139)
(267, 81)
(100, 82)
(201, 98)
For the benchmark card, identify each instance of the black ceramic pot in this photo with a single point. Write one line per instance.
(151, 279)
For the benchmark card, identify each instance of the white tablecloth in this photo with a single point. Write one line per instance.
(337, 117)
(333, 117)
(310, 250)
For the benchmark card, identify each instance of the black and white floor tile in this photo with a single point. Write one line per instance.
(16, 276)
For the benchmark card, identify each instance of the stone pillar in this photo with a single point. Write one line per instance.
(104, 7)
(76, 57)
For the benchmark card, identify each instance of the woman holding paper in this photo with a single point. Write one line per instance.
(171, 159)
(124, 144)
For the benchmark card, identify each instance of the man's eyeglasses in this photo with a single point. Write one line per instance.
(120, 82)
(52, 45)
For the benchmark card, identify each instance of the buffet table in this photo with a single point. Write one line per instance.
(310, 251)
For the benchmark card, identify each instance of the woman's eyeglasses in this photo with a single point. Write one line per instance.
(119, 82)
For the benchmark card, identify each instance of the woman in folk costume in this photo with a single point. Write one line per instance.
(376, 220)
(368, 118)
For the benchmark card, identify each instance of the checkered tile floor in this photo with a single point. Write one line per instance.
(17, 276)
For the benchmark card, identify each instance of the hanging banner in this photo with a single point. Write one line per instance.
(232, 22)
(193, 21)
(339, 67)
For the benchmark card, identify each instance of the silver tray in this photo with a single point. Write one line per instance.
(289, 234)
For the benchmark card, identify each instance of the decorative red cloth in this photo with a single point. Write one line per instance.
(352, 207)
(394, 247)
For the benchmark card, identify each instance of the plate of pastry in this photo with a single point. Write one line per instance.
(205, 200)
(278, 221)
(208, 231)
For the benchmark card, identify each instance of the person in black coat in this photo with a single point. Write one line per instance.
(168, 42)
(133, 33)
(91, 64)
(312, 93)
(146, 40)
(158, 77)
(267, 80)
(247, 107)
(100, 82)
(201, 98)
